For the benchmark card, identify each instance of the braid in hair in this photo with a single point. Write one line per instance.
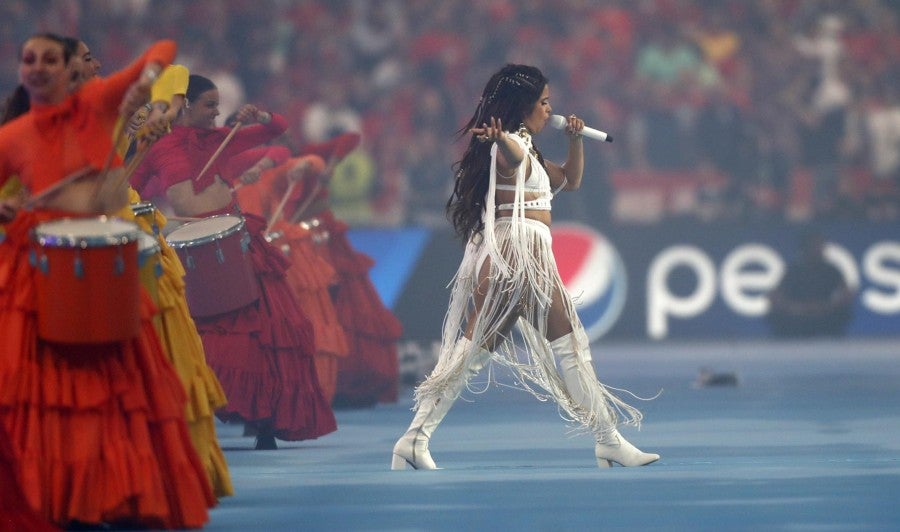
(509, 96)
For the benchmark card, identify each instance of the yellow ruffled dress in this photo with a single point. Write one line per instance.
(178, 335)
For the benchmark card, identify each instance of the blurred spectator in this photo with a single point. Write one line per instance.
(377, 29)
(722, 135)
(879, 126)
(767, 190)
(667, 59)
(428, 159)
(824, 110)
(659, 138)
(330, 114)
(813, 298)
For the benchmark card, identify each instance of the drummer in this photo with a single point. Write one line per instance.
(176, 328)
(310, 276)
(355, 333)
(263, 352)
(103, 408)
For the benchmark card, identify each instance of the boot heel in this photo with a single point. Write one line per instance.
(398, 463)
(603, 463)
(622, 452)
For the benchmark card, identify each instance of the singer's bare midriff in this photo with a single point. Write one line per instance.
(508, 196)
(185, 202)
(540, 216)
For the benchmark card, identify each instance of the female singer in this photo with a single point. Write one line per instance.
(501, 206)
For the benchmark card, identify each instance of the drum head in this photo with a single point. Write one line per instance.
(147, 245)
(86, 232)
(205, 230)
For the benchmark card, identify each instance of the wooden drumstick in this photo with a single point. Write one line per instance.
(278, 210)
(130, 168)
(287, 194)
(237, 125)
(119, 134)
(117, 138)
(133, 162)
(307, 202)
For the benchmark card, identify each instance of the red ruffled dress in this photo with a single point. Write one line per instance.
(15, 512)
(370, 373)
(261, 353)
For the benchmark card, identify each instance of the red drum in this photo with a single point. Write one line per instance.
(88, 290)
(149, 264)
(215, 255)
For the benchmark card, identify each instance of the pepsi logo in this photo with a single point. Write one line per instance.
(594, 274)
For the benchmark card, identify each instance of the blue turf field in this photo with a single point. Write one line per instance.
(809, 439)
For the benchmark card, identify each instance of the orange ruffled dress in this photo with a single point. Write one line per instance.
(97, 430)
(310, 276)
(370, 373)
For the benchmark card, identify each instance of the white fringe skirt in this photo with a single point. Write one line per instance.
(517, 274)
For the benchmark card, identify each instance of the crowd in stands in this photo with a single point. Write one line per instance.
(721, 109)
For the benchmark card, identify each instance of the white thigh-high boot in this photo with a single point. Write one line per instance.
(611, 446)
(412, 448)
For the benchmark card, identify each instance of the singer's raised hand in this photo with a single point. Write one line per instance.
(489, 133)
(562, 122)
(574, 126)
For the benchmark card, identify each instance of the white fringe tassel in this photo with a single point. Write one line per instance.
(522, 278)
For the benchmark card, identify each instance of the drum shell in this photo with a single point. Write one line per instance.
(219, 275)
(94, 302)
(150, 265)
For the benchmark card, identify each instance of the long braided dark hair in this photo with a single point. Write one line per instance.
(509, 95)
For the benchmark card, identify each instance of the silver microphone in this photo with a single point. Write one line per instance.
(560, 122)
